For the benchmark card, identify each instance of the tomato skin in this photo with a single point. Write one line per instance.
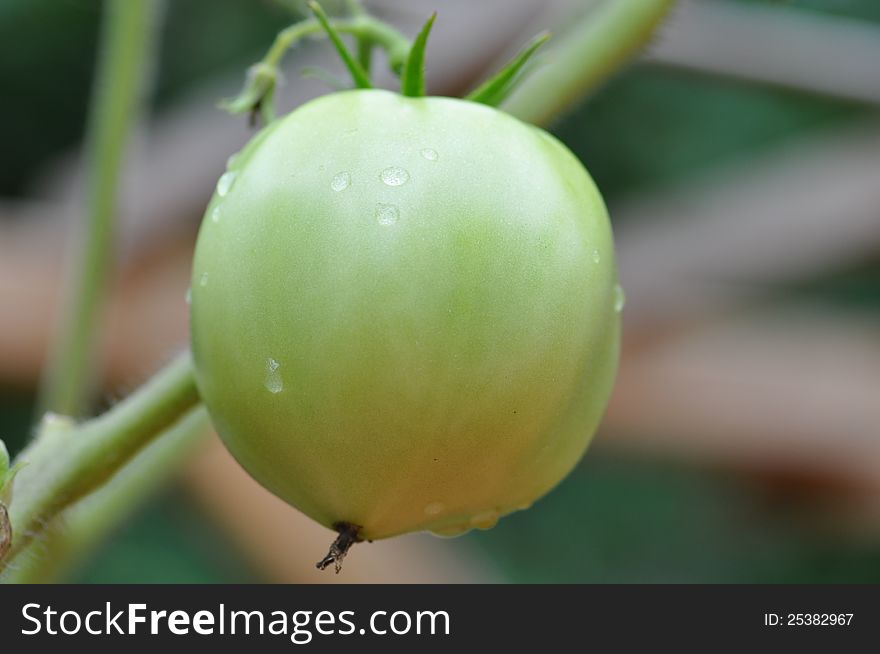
(403, 311)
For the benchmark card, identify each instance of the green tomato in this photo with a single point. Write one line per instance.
(405, 312)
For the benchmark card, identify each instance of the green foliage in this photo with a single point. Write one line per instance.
(630, 521)
(653, 126)
(168, 541)
(868, 10)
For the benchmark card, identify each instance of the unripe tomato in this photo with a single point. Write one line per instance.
(404, 312)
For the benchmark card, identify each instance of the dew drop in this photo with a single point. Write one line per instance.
(430, 154)
(273, 382)
(452, 531)
(225, 182)
(619, 298)
(596, 256)
(394, 176)
(215, 214)
(203, 280)
(485, 519)
(341, 181)
(387, 214)
(434, 508)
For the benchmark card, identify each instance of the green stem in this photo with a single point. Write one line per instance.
(67, 461)
(262, 77)
(365, 55)
(126, 52)
(366, 28)
(86, 523)
(596, 46)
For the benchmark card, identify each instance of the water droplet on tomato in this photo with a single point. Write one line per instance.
(434, 508)
(215, 214)
(394, 176)
(341, 182)
(596, 256)
(485, 519)
(273, 382)
(430, 154)
(387, 214)
(452, 531)
(225, 183)
(619, 298)
(203, 280)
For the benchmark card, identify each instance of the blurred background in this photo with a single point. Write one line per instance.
(740, 159)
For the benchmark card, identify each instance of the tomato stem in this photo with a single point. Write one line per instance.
(365, 54)
(368, 31)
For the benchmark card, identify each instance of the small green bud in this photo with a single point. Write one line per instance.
(259, 87)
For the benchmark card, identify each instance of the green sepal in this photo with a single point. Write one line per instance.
(412, 80)
(358, 74)
(495, 90)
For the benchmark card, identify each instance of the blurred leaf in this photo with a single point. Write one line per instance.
(653, 126)
(615, 521)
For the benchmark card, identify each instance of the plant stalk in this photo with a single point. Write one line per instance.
(609, 34)
(85, 524)
(67, 461)
(126, 54)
